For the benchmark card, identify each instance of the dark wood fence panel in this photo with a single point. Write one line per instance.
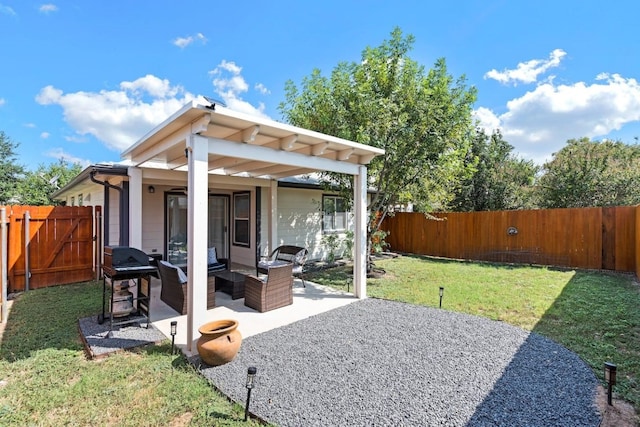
(597, 238)
(60, 246)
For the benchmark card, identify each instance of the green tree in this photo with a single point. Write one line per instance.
(10, 171)
(587, 173)
(37, 186)
(499, 180)
(387, 100)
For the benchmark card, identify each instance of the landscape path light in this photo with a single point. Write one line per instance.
(441, 294)
(610, 377)
(174, 330)
(251, 375)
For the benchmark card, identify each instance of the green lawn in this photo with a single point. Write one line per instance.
(594, 314)
(46, 380)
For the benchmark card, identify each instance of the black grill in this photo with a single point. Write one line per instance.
(123, 261)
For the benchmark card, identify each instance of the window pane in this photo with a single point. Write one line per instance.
(241, 206)
(241, 212)
(328, 222)
(340, 222)
(241, 234)
(334, 216)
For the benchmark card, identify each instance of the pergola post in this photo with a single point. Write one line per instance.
(135, 207)
(360, 233)
(197, 198)
(273, 216)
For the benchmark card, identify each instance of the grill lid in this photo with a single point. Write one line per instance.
(124, 256)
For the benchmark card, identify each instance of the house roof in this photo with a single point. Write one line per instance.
(164, 147)
(82, 181)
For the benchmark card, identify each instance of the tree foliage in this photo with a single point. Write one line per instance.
(422, 119)
(10, 171)
(37, 186)
(498, 181)
(588, 173)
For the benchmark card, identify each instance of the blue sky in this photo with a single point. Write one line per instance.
(82, 80)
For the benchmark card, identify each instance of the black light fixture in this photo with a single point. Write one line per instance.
(251, 375)
(174, 330)
(441, 294)
(610, 377)
(151, 189)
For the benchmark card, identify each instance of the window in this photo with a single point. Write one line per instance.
(241, 205)
(79, 199)
(334, 214)
(73, 201)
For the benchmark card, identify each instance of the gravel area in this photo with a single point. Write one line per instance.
(384, 363)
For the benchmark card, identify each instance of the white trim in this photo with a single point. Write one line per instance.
(360, 233)
(135, 207)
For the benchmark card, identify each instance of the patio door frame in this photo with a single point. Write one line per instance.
(223, 251)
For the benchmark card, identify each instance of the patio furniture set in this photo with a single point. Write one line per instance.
(270, 288)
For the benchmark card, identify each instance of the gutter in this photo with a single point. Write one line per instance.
(124, 207)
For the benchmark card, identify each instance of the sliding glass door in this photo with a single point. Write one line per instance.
(219, 225)
(176, 226)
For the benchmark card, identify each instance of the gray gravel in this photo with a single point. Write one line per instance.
(383, 363)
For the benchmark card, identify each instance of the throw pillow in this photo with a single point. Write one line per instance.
(212, 257)
(181, 276)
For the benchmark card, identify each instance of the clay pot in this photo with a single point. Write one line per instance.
(219, 341)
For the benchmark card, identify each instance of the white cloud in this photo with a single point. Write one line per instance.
(540, 122)
(6, 10)
(48, 8)
(2, 101)
(60, 154)
(75, 138)
(527, 72)
(183, 42)
(229, 84)
(30, 125)
(45, 135)
(262, 89)
(118, 117)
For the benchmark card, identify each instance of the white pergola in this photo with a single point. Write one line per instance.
(213, 141)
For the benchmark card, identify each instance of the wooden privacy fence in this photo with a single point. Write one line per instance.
(592, 238)
(49, 245)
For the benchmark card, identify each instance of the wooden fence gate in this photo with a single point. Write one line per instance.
(50, 245)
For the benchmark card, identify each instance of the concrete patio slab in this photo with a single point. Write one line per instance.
(308, 301)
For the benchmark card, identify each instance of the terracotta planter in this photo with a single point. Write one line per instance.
(219, 341)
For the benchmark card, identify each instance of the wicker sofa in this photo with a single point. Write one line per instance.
(274, 292)
(174, 287)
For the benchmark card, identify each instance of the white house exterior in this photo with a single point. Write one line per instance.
(219, 176)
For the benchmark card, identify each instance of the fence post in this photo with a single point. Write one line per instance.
(3, 261)
(26, 251)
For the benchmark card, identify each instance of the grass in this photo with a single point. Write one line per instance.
(594, 314)
(46, 380)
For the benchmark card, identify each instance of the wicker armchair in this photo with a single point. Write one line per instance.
(174, 288)
(274, 292)
(286, 253)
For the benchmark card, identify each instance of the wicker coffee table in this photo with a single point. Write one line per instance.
(230, 282)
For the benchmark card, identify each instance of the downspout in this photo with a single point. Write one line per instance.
(107, 185)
